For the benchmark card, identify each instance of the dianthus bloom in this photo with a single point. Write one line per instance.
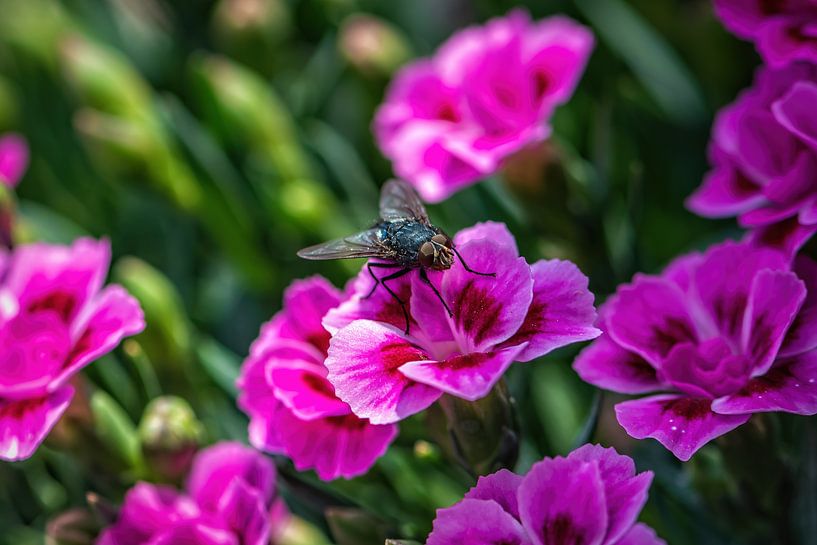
(783, 30)
(13, 159)
(723, 335)
(489, 91)
(592, 497)
(230, 499)
(55, 318)
(292, 407)
(520, 314)
(764, 152)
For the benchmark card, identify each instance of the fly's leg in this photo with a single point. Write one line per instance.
(424, 277)
(377, 280)
(392, 276)
(469, 269)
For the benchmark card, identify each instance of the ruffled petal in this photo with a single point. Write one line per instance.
(306, 302)
(304, 389)
(802, 335)
(606, 365)
(490, 230)
(476, 522)
(25, 423)
(243, 509)
(796, 111)
(682, 424)
(500, 487)
(641, 534)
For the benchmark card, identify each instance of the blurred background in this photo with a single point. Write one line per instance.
(209, 140)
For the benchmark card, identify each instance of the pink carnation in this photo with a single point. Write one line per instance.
(13, 159)
(292, 407)
(55, 318)
(487, 92)
(522, 313)
(230, 499)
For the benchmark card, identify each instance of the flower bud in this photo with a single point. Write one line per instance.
(372, 46)
(73, 527)
(169, 433)
(251, 30)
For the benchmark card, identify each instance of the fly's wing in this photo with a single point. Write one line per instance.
(399, 201)
(364, 244)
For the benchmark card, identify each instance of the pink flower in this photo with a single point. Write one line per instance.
(783, 30)
(13, 159)
(592, 497)
(520, 314)
(764, 152)
(292, 407)
(721, 335)
(230, 499)
(55, 318)
(488, 92)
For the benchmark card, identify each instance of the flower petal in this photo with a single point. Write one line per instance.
(487, 310)
(795, 111)
(561, 312)
(726, 191)
(490, 230)
(476, 522)
(682, 424)
(786, 236)
(302, 386)
(500, 487)
(562, 501)
(13, 159)
(606, 365)
(469, 376)
(789, 386)
(364, 361)
(802, 335)
(641, 534)
(242, 508)
(25, 423)
(625, 492)
(306, 302)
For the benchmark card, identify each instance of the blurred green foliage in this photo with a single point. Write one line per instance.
(209, 140)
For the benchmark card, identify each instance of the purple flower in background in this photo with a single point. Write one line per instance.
(520, 314)
(783, 30)
(764, 153)
(55, 318)
(722, 335)
(592, 497)
(487, 92)
(292, 406)
(13, 159)
(230, 499)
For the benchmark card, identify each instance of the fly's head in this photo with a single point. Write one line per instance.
(437, 253)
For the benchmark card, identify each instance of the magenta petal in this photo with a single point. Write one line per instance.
(725, 192)
(112, 315)
(306, 302)
(796, 112)
(13, 159)
(649, 317)
(364, 361)
(303, 388)
(789, 386)
(562, 501)
(217, 467)
(682, 424)
(257, 400)
(195, 533)
(561, 312)
(774, 301)
(25, 423)
(606, 365)
(242, 508)
(708, 369)
(469, 376)
(641, 534)
(476, 522)
(491, 230)
(786, 236)
(500, 487)
(624, 491)
(802, 334)
(487, 310)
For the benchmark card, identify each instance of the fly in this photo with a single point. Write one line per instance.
(402, 240)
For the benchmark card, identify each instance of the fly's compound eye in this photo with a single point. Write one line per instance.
(426, 254)
(442, 240)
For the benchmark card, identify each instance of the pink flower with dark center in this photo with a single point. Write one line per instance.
(721, 336)
(13, 159)
(487, 92)
(592, 497)
(55, 318)
(764, 152)
(522, 313)
(292, 406)
(229, 499)
(784, 31)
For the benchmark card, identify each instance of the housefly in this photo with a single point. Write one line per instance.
(402, 240)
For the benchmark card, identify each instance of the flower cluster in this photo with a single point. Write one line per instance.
(764, 152)
(520, 314)
(55, 318)
(486, 93)
(783, 30)
(593, 496)
(230, 499)
(724, 334)
(13, 159)
(292, 406)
